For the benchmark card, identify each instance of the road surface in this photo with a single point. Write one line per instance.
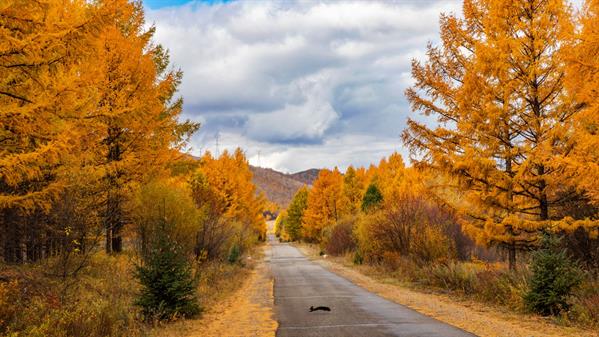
(300, 283)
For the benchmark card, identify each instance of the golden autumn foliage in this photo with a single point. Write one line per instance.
(87, 107)
(136, 116)
(91, 142)
(324, 204)
(42, 47)
(234, 195)
(354, 185)
(505, 123)
(582, 82)
(407, 221)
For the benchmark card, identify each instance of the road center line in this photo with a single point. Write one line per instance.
(335, 326)
(318, 296)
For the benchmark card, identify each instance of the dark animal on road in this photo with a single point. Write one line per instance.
(320, 308)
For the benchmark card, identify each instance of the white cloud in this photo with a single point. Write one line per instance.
(339, 151)
(301, 79)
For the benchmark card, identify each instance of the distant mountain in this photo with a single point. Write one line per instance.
(307, 177)
(281, 187)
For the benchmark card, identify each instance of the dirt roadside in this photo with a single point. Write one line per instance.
(248, 312)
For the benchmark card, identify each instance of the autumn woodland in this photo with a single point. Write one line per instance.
(497, 201)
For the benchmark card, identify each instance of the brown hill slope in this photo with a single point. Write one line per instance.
(307, 177)
(280, 187)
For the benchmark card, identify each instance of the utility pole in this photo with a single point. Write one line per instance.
(259, 160)
(216, 138)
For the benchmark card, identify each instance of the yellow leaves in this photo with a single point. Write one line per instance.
(508, 126)
(582, 81)
(324, 204)
(228, 180)
(335, 196)
(354, 184)
(77, 81)
(39, 93)
(168, 200)
(86, 107)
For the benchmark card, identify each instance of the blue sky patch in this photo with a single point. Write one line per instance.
(155, 4)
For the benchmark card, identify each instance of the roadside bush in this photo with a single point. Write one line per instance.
(392, 261)
(341, 238)
(168, 199)
(369, 249)
(553, 280)
(504, 287)
(431, 245)
(168, 285)
(409, 225)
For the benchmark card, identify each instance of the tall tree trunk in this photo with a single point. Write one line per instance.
(510, 196)
(512, 256)
(113, 216)
(543, 203)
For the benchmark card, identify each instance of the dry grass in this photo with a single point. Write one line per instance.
(473, 316)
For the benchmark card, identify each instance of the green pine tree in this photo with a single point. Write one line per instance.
(168, 284)
(372, 198)
(554, 277)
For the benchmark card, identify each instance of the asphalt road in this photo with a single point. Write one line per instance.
(300, 283)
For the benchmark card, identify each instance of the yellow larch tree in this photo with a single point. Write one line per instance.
(496, 88)
(354, 186)
(324, 204)
(87, 109)
(134, 129)
(389, 175)
(44, 47)
(230, 180)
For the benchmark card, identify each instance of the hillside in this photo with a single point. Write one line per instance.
(307, 177)
(280, 187)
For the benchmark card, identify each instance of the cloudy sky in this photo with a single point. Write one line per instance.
(300, 84)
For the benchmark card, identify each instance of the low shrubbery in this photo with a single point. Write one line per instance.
(341, 240)
(99, 302)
